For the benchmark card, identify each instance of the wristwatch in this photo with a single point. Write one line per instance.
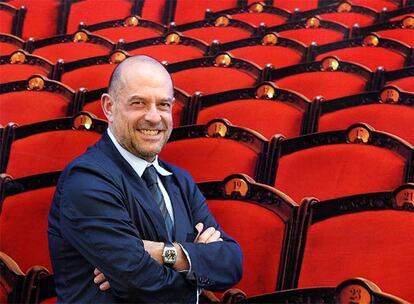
(169, 254)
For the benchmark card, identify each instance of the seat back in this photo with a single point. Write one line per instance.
(361, 230)
(10, 43)
(216, 150)
(21, 65)
(276, 111)
(23, 219)
(324, 78)
(172, 47)
(77, 46)
(339, 163)
(390, 110)
(49, 145)
(213, 74)
(11, 19)
(263, 227)
(34, 100)
(91, 73)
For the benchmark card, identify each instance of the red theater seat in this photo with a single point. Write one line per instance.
(34, 100)
(345, 13)
(268, 49)
(23, 219)
(90, 73)
(222, 28)
(370, 51)
(12, 281)
(42, 18)
(311, 30)
(331, 164)
(85, 11)
(173, 47)
(276, 111)
(263, 228)
(9, 44)
(213, 74)
(390, 110)
(183, 11)
(208, 151)
(49, 145)
(359, 236)
(21, 65)
(74, 47)
(11, 18)
(402, 78)
(131, 28)
(329, 78)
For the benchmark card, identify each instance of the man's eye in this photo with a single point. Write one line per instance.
(165, 105)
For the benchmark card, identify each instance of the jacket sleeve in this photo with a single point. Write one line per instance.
(95, 221)
(215, 266)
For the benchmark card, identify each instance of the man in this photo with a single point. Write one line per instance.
(109, 220)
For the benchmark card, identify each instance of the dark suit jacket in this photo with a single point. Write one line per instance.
(100, 214)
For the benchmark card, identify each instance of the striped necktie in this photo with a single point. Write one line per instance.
(150, 178)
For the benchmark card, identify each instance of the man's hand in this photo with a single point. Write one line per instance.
(207, 236)
(101, 280)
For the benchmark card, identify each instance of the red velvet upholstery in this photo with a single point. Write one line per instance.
(278, 56)
(169, 52)
(129, 33)
(309, 35)
(257, 18)
(270, 117)
(154, 10)
(27, 107)
(23, 226)
(91, 77)
(291, 5)
(7, 48)
(41, 18)
(211, 79)
(377, 5)
(6, 22)
(15, 72)
(328, 84)
(394, 119)
(338, 170)
(222, 34)
(349, 18)
(210, 159)
(85, 11)
(260, 233)
(193, 11)
(376, 245)
(406, 83)
(95, 108)
(371, 57)
(48, 151)
(404, 35)
(71, 51)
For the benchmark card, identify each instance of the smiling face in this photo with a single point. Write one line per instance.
(139, 109)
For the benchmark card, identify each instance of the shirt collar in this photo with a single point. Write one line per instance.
(138, 164)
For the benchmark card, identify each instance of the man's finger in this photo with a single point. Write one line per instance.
(99, 278)
(214, 237)
(206, 235)
(199, 227)
(104, 286)
(96, 271)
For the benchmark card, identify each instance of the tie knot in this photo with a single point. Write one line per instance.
(150, 176)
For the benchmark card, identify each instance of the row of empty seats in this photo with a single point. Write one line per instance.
(20, 17)
(291, 238)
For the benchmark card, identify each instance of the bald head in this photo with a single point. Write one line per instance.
(140, 66)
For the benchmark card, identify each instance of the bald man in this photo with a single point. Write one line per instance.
(137, 223)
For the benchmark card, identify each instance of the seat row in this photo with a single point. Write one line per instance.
(345, 161)
(283, 242)
(49, 18)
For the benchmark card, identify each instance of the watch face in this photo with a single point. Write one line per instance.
(170, 255)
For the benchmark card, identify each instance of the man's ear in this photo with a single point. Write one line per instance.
(107, 104)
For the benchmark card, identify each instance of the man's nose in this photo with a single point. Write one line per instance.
(152, 114)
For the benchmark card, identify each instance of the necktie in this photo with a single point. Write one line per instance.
(150, 178)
